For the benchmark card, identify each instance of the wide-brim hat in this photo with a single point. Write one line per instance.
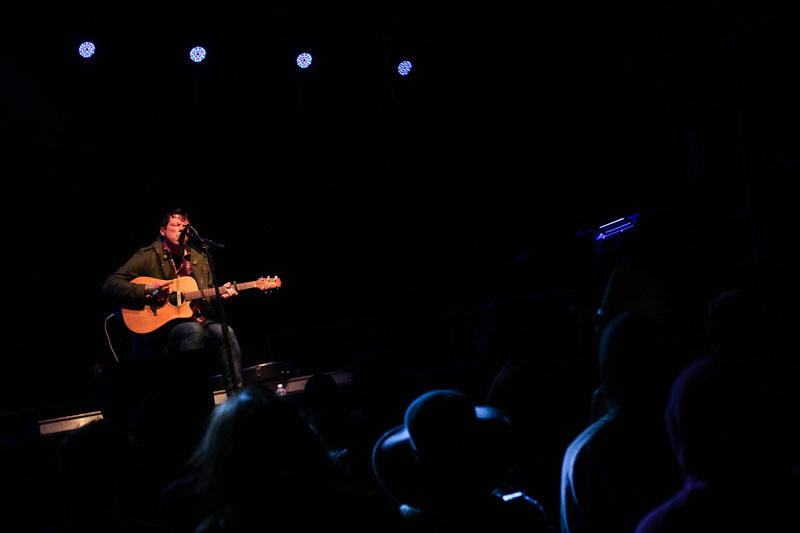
(446, 450)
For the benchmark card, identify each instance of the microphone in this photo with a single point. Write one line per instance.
(183, 235)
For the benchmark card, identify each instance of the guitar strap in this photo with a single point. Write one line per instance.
(184, 270)
(186, 264)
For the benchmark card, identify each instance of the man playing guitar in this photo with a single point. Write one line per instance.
(150, 287)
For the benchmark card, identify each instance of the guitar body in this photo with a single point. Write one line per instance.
(152, 317)
(177, 304)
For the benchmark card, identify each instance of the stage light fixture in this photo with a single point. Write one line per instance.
(404, 68)
(87, 49)
(304, 60)
(197, 54)
(616, 227)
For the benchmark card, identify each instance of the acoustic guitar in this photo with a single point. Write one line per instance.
(177, 303)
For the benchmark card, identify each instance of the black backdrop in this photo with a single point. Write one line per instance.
(375, 197)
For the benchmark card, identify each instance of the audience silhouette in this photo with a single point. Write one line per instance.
(328, 412)
(621, 465)
(728, 427)
(545, 400)
(260, 462)
(444, 464)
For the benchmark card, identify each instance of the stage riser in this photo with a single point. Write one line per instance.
(293, 386)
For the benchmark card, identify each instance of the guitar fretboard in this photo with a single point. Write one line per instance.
(206, 293)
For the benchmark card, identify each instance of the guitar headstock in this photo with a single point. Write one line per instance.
(266, 283)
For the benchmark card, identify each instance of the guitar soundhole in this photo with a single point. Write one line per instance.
(173, 298)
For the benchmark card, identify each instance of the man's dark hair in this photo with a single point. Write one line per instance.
(178, 211)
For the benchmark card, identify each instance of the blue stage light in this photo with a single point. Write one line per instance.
(197, 54)
(304, 60)
(616, 227)
(404, 68)
(86, 49)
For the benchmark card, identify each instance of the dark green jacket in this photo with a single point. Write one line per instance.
(152, 261)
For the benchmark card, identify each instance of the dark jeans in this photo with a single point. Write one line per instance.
(191, 335)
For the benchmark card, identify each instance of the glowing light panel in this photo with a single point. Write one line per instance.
(404, 68)
(304, 60)
(86, 49)
(197, 54)
(616, 227)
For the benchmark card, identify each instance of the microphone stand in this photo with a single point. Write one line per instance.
(220, 308)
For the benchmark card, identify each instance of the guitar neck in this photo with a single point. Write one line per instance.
(207, 293)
